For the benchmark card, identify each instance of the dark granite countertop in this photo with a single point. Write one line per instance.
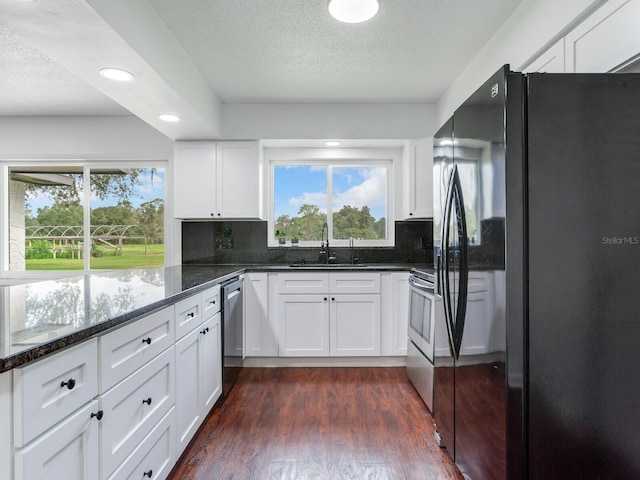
(40, 318)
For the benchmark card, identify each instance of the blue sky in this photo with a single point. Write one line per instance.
(354, 186)
(147, 190)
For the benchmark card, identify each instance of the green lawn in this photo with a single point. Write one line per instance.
(132, 257)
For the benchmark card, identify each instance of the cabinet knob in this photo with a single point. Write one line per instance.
(219, 215)
(147, 401)
(325, 299)
(98, 414)
(204, 332)
(147, 340)
(213, 214)
(333, 299)
(148, 474)
(410, 213)
(212, 302)
(191, 314)
(69, 383)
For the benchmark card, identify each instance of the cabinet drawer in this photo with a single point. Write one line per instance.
(134, 407)
(188, 315)
(125, 350)
(211, 302)
(155, 456)
(304, 283)
(49, 390)
(69, 451)
(354, 282)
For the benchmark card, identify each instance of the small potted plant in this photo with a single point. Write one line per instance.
(282, 237)
(295, 241)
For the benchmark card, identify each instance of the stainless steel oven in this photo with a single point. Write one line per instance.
(421, 334)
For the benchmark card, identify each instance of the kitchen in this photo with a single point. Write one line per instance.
(580, 36)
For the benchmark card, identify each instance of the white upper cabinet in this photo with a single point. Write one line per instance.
(217, 180)
(239, 180)
(419, 193)
(551, 61)
(194, 176)
(605, 40)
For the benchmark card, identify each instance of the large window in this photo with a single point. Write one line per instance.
(80, 217)
(345, 199)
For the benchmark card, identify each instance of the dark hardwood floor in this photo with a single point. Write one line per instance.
(318, 423)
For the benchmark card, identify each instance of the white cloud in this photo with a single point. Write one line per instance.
(372, 192)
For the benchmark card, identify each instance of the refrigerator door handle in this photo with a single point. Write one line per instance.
(444, 271)
(455, 205)
(463, 252)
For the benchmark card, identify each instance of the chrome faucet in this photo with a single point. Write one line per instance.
(324, 252)
(351, 250)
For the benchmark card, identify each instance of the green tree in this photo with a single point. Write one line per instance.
(150, 217)
(60, 213)
(352, 222)
(121, 214)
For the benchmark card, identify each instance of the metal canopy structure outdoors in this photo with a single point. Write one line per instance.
(70, 238)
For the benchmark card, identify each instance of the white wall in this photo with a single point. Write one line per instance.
(125, 137)
(534, 26)
(335, 120)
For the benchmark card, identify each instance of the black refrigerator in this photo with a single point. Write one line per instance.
(537, 255)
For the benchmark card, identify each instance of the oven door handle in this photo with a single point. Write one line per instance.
(421, 284)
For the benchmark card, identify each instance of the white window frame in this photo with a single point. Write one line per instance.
(389, 158)
(12, 276)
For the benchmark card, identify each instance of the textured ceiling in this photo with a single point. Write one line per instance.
(32, 84)
(292, 50)
(190, 55)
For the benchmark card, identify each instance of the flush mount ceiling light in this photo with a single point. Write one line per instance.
(353, 11)
(168, 117)
(332, 143)
(116, 74)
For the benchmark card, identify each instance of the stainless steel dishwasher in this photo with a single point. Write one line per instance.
(232, 333)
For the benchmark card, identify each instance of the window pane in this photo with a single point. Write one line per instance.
(359, 203)
(45, 218)
(127, 218)
(300, 196)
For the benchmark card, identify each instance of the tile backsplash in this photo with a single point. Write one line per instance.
(245, 242)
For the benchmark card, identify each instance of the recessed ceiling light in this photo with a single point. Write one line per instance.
(353, 11)
(168, 117)
(116, 74)
(332, 143)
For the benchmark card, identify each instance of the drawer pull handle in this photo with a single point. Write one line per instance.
(147, 401)
(147, 340)
(191, 314)
(69, 383)
(148, 474)
(98, 415)
(204, 332)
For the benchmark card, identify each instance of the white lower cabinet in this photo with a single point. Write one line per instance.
(68, 451)
(303, 325)
(354, 325)
(394, 304)
(329, 314)
(198, 378)
(47, 391)
(155, 456)
(211, 356)
(261, 329)
(133, 407)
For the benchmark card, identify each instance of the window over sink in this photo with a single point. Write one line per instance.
(315, 194)
(83, 216)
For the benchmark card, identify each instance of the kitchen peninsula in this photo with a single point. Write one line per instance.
(116, 371)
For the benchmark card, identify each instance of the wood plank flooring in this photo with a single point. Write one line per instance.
(318, 423)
